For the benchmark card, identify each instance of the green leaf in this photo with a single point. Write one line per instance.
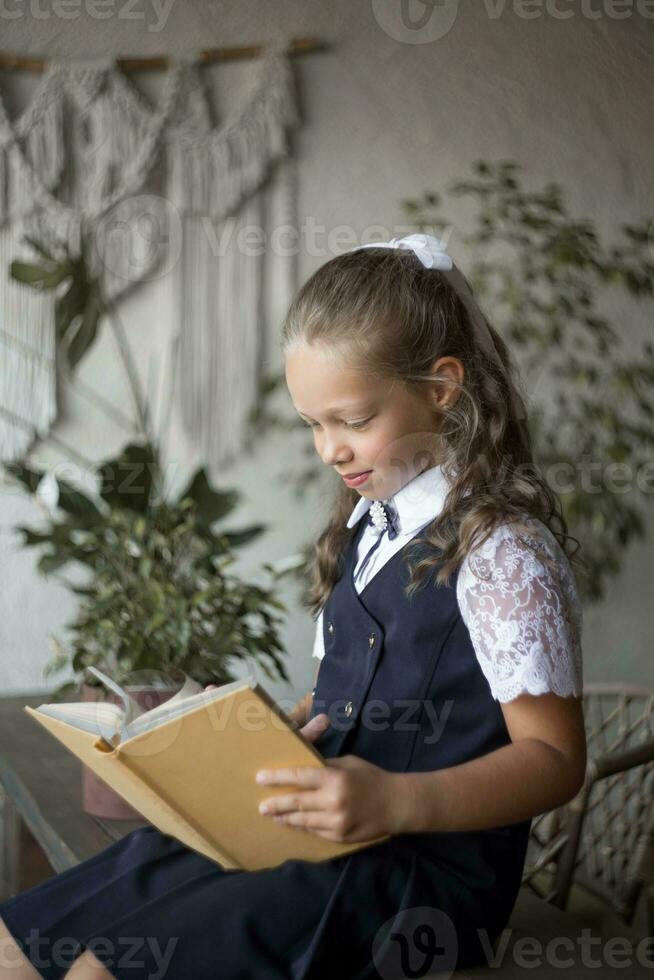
(69, 305)
(155, 622)
(32, 538)
(51, 563)
(74, 502)
(40, 277)
(24, 474)
(270, 383)
(212, 505)
(83, 337)
(236, 539)
(127, 480)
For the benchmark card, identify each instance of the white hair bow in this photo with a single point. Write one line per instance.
(432, 254)
(430, 250)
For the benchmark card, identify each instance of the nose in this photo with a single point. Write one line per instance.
(334, 451)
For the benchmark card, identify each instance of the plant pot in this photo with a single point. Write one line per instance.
(101, 800)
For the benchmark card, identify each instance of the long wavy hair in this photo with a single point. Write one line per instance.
(390, 316)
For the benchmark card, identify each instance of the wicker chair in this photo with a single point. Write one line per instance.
(603, 839)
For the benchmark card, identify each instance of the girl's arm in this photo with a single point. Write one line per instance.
(542, 768)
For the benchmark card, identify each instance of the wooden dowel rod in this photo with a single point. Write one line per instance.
(300, 46)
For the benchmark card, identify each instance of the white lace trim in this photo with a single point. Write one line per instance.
(525, 621)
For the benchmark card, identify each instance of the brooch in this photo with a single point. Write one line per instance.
(378, 515)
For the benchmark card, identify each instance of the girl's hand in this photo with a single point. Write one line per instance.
(349, 800)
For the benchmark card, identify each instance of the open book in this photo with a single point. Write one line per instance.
(189, 765)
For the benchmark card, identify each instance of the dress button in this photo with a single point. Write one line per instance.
(348, 708)
(330, 627)
(371, 640)
(313, 693)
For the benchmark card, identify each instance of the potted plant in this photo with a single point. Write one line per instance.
(159, 601)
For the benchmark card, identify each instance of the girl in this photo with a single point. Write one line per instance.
(448, 699)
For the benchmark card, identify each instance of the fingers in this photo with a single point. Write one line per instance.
(300, 802)
(318, 822)
(309, 777)
(314, 728)
(297, 811)
(324, 823)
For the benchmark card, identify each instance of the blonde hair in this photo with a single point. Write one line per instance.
(386, 312)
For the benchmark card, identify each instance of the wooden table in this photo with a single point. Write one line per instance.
(42, 787)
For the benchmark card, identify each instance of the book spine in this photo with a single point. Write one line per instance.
(279, 711)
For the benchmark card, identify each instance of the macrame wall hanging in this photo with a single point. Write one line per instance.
(82, 164)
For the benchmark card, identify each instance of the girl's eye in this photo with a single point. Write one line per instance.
(350, 425)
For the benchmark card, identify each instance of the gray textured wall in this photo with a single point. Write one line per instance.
(564, 89)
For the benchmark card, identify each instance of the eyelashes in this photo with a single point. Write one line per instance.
(350, 425)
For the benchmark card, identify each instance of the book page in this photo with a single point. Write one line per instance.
(109, 721)
(174, 708)
(97, 717)
(131, 708)
(190, 688)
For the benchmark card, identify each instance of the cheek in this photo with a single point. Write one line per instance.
(375, 448)
(401, 448)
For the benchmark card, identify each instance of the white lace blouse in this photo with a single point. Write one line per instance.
(524, 620)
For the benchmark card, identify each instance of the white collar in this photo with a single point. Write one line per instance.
(417, 502)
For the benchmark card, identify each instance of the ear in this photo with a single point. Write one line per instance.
(449, 372)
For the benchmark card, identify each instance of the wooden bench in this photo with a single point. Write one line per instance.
(42, 789)
(41, 784)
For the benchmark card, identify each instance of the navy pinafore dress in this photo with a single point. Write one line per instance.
(403, 688)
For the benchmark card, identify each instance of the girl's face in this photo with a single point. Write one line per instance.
(363, 424)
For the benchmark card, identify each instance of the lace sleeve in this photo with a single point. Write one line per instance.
(318, 643)
(524, 620)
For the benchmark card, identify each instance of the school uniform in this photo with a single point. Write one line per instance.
(410, 685)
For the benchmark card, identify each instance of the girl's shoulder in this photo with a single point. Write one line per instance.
(518, 598)
(529, 544)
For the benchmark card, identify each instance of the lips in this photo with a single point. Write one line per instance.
(352, 476)
(357, 481)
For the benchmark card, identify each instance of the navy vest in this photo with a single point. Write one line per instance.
(403, 688)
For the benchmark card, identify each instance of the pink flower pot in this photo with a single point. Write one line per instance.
(98, 799)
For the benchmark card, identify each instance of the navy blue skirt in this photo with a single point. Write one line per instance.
(149, 907)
